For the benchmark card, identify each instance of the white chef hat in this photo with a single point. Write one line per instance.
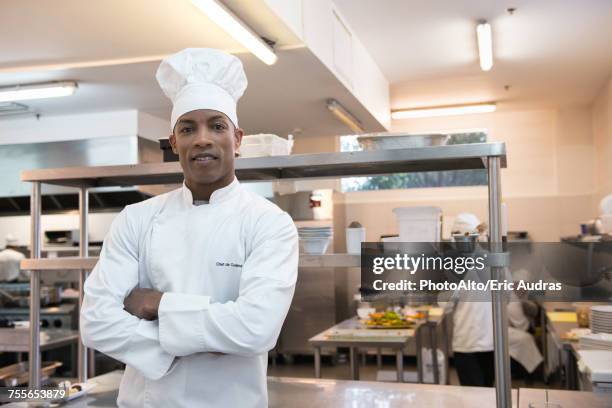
(11, 240)
(605, 205)
(202, 78)
(465, 223)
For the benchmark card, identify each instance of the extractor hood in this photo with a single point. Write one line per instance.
(14, 194)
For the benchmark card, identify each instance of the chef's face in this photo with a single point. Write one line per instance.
(206, 142)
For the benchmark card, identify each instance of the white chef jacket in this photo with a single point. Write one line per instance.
(473, 329)
(9, 265)
(228, 271)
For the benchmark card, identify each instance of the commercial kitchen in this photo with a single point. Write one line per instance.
(391, 133)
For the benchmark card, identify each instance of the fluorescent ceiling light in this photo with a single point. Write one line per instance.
(37, 91)
(228, 21)
(443, 111)
(485, 45)
(344, 115)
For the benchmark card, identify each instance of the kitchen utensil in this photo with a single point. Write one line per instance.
(384, 141)
(465, 243)
(17, 374)
(419, 224)
(354, 238)
(314, 246)
(601, 319)
(364, 312)
(265, 145)
(582, 316)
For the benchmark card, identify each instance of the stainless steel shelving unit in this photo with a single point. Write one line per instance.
(87, 263)
(488, 156)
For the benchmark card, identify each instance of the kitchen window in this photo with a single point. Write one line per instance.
(454, 178)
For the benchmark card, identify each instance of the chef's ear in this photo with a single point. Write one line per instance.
(172, 140)
(238, 133)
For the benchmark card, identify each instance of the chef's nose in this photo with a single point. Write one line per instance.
(203, 137)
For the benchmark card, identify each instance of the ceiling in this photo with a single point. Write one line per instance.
(35, 34)
(112, 48)
(549, 52)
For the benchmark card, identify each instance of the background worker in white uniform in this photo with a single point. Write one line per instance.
(10, 259)
(193, 286)
(472, 340)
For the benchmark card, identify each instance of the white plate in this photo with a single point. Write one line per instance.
(85, 388)
(606, 309)
(315, 227)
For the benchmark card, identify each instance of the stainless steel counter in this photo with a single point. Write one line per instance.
(307, 393)
(564, 398)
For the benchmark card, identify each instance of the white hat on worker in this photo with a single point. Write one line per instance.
(11, 240)
(202, 78)
(465, 223)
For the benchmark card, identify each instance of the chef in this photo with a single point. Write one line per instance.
(10, 259)
(192, 287)
(472, 317)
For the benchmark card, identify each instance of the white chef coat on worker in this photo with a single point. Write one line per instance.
(473, 330)
(228, 271)
(9, 265)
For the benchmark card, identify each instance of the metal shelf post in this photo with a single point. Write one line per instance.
(83, 253)
(503, 380)
(34, 357)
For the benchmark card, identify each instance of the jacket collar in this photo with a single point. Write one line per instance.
(219, 195)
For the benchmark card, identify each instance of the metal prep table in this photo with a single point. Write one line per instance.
(286, 392)
(568, 350)
(368, 339)
(484, 156)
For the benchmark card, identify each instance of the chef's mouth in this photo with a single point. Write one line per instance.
(203, 157)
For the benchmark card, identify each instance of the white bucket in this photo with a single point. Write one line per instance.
(419, 224)
(354, 238)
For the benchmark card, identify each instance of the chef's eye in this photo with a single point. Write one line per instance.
(219, 127)
(186, 130)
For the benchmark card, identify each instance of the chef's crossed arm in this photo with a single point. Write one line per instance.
(250, 325)
(105, 325)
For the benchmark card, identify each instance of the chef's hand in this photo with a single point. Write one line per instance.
(143, 303)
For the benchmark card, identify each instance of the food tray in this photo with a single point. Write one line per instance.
(404, 326)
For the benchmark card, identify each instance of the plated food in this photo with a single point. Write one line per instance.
(388, 320)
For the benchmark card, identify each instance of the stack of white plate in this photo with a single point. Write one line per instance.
(596, 341)
(601, 319)
(314, 240)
